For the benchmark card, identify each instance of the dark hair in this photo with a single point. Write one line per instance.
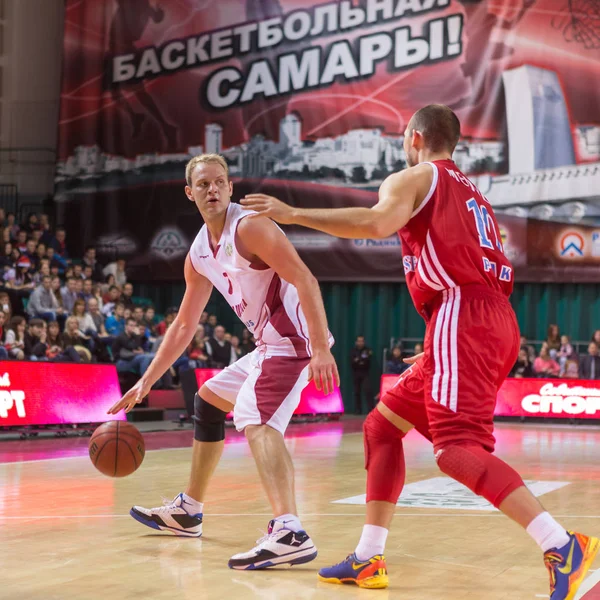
(131, 320)
(46, 277)
(113, 287)
(120, 304)
(149, 307)
(89, 248)
(36, 322)
(60, 228)
(15, 322)
(439, 126)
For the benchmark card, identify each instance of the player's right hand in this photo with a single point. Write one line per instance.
(411, 360)
(323, 371)
(134, 396)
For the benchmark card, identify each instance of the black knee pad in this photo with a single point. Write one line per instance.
(209, 421)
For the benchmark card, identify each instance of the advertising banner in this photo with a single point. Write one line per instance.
(312, 401)
(42, 393)
(548, 398)
(309, 101)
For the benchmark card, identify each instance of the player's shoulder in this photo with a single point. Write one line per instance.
(420, 172)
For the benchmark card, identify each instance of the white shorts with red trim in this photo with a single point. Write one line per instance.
(264, 388)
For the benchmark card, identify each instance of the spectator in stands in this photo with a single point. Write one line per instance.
(589, 365)
(30, 253)
(248, 342)
(149, 321)
(86, 323)
(97, 295)
(395, 365)
(57, 351)
(78, 272)
(69, 295)
(36, 236)
(43, 271)
(109, 282)
(15, 337)
(3, 350)
(6, 260)
(72, 336)
(87, 273)
(219, 350)
(6, 306)
(31, 224)
(12, 225)
(78, 286)
(138, 314)
(528, 348)
(523, 366)
(59, 243)
(596, 337)
(89, 260)
(43, 303)
(21, 243)
(360, 363)
(44, 226)
(128, 350)
(235, 345)
(170, 315)
(35, 340)
(40, 252)
(197, 356)
(55, 289)
(115, 323)
(2, 217)
(544, 365)
(127, 295)
(565, 353)
(210, 325)
(418, 349)
(56, 263)
(117, 269)
(86, 291)
(110, 300)
(553, 340)
(203, 319)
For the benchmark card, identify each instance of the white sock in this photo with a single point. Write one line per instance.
(291, 522)
(192, 507)
(547, 533)
(372, 542)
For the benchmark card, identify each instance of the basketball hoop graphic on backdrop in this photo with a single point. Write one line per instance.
(571, 245)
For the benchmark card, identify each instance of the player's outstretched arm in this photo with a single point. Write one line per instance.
(262, 238)
(177, 338)
(398, 196)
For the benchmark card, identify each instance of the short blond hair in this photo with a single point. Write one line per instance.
(204, 158)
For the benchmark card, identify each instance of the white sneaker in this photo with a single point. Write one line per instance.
(172, 517)
(279, 546)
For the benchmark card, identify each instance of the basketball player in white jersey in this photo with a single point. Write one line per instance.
(255, 267)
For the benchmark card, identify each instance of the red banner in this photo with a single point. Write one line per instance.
(310, 100)
(312, 401)
(53, 393)
(548, 398)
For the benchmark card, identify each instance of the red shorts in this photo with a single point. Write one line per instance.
(471, 344)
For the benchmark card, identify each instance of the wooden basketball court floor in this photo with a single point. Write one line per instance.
(65, 531)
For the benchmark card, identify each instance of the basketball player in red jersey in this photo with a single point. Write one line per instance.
(459, 280)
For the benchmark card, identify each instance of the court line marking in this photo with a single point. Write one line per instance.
(588, 585)
(303, 515)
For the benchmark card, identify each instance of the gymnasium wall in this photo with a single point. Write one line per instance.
(384, 310)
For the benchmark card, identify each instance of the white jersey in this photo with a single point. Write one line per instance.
(266, 304)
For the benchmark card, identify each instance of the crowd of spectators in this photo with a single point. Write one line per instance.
(558, 357)
(55, 307)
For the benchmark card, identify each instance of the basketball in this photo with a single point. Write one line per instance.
(116, 448)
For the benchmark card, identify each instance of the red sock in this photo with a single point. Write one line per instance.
(384, 458)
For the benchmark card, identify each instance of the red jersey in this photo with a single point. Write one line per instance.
(452, 239)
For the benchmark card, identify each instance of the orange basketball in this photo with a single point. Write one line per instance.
(117, 448)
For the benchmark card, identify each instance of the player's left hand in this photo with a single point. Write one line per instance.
(134, 396)
(411, 360)
(323, 371)
(267, 206)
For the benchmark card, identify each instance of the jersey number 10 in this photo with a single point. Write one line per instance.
(485, 226)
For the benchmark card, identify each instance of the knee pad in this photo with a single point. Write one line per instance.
(384, 458)
(480, 471)
(209, 421)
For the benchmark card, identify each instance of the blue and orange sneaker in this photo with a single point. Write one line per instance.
(371, 573)
(568, 565)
